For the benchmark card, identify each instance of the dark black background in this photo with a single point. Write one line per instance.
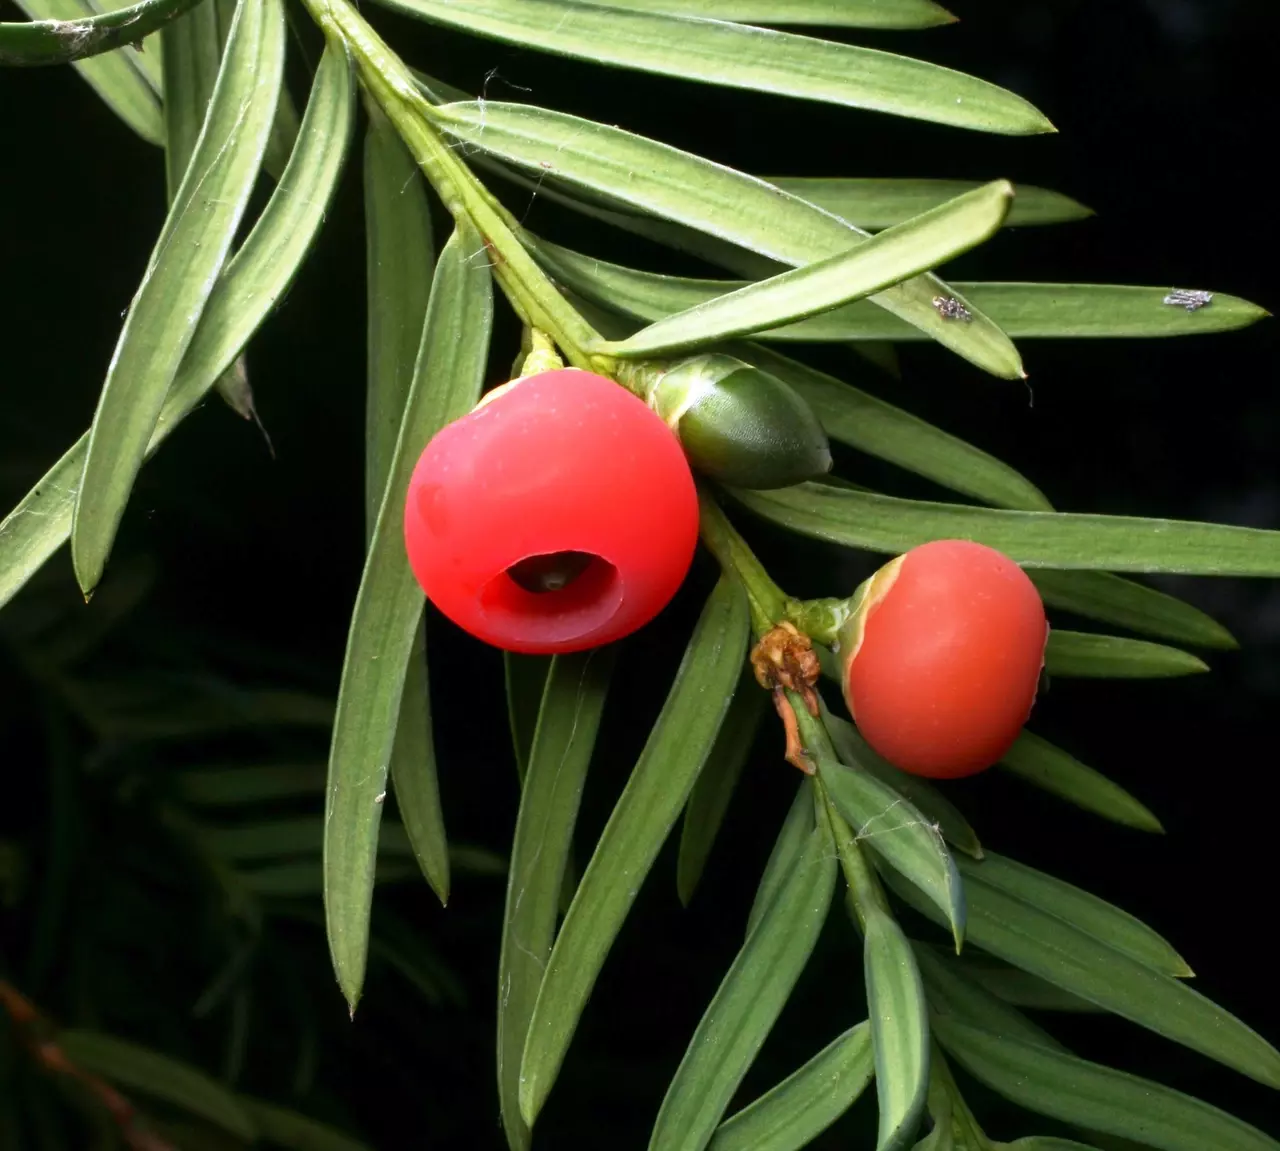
(1167, 122)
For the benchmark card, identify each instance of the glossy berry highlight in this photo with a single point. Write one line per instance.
(559, 515)
(942, 658)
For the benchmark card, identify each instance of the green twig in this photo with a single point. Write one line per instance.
(766, 599)
(540, 355)
(820, 619)
(866, 896)
(386, 78)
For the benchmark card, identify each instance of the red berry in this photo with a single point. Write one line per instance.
(945, 670)
(559, 515)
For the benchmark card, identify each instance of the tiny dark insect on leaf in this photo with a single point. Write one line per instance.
(949, 308)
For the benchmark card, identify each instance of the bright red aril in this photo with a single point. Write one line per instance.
(558, 515)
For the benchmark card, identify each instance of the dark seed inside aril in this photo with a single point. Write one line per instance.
(552, 572)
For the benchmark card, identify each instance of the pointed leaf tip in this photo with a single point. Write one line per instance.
(899, 1028)
(897, 254)
(246, 292)
(1050, 768)
(721, 52)
(189, 254)
(574, 692)
(384, 623)
(644, 814)
(748, 1002)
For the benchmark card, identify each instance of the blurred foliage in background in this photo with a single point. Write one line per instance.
(164, 748)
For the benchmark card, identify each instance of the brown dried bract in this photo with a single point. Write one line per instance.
(784, 660)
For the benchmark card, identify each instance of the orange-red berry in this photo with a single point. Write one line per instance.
(943, 657)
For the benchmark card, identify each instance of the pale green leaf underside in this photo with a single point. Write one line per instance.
(1062, 1086)
(147, 57)
(1088, 913)
(928, 800)
(954, 993)
(1019, 988)
(740, 210)
(184, 266)
(643, 816)
(413, 771)
(899, 834)
(899, 1029)
(190, 58)
(880, 203)
(1051, 769)
(190, 51)
(1021, 310)
(846, 14)
(879, 523)
(748, 1001)
(740, 56)
(955, 998)
(1112, 599)
(116, 76)
(807, 1102)
(1083, 654)
(399, 258)
(1038, 941)
(568, 721)
(59, 41)
(894, 255)
(198, 62)
(448, 377)
(159, 1076)
(249, 287)
(871, 425)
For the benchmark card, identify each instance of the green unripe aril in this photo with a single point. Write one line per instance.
(740, 425)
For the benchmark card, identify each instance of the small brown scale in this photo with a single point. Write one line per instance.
(784, 660)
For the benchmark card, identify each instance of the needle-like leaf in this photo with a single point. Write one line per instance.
(565, 737)
(180, 276)
(447, 381)
(746, 1005)
(896, 254)
(249, 287)
(716, 51)
(119, 77)
(643, 816)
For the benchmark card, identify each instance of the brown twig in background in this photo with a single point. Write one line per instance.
(36, 1033)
